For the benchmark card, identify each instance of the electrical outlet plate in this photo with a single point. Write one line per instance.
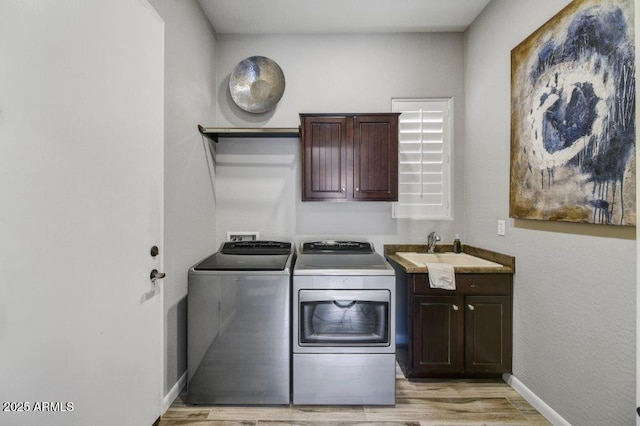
(501, 227)
(243, 235)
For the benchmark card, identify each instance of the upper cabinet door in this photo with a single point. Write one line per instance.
(349, 157)
(324, 157)
(375, 157)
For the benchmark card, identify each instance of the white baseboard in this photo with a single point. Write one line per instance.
(535, 401)
(174, 392)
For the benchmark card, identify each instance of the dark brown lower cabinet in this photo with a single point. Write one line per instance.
(437, 338)
(488, 334)
(466, 332)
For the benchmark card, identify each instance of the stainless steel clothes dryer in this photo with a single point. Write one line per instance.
(239, 325)
(343, 325)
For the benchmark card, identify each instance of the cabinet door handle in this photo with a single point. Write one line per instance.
(455, 307)
(471, 307)
(343, 189)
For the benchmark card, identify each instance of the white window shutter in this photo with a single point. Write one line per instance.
(424, 170)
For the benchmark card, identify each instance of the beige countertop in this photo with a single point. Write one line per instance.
(508, 262)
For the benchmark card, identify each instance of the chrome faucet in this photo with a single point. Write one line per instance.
(432, 239)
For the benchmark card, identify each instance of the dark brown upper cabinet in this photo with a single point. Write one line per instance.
(349, 157)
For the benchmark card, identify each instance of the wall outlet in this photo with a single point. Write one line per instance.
(502, 227)
(243, 236)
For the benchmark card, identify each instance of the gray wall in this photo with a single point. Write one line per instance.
(189, 220)
(258, 181)
(575, 285)
(574, 301)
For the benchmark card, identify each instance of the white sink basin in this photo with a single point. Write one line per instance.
(455, 259)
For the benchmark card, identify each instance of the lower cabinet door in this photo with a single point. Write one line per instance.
(488, 327)
(437, 332)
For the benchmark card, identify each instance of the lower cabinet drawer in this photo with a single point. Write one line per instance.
(467, 284)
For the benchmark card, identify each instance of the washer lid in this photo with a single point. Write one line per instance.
(235, 262)
(248, 256)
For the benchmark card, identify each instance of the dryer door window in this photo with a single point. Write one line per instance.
(344, 318)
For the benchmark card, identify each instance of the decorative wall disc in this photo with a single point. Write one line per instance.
(256, 84)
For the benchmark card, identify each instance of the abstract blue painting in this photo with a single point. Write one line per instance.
(573, 117)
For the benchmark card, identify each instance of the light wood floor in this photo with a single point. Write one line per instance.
(424, 402)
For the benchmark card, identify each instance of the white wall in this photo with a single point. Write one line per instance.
(258, 181)
(189, 176)
(575, 285)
